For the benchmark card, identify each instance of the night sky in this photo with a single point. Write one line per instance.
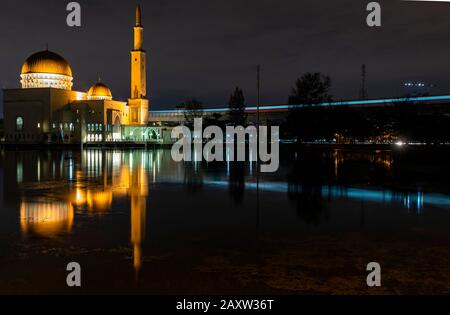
(204, 48)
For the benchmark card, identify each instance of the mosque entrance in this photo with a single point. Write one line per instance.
(143, 134)
(154, 134)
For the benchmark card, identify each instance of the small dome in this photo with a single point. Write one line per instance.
(46, 62)
(99, 91)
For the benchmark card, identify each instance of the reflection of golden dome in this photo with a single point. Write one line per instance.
(99, 91)
(99, 200)
(46, 62)
(46, 219)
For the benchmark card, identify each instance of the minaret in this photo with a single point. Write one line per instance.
(138, 102)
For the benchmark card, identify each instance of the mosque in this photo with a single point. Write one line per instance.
(46, 109)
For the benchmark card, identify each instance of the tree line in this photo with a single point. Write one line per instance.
(404, 121)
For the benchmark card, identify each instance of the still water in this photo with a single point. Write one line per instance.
(137, 222)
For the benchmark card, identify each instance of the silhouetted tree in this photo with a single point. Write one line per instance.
(310, 122)
(237, 107)
(310, 89)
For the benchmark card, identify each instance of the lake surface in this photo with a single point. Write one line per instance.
(137, 222)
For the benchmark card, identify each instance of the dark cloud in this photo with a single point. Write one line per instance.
(204, 48)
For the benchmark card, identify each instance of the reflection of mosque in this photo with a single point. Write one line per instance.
(46, 218)
(56, 186)
(92, 185)
(119, 174)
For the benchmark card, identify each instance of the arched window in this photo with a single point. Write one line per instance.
(19, 123)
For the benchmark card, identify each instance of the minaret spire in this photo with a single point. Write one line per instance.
(138, 15)
(138, 30)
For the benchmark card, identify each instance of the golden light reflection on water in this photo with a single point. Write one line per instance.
(90, 181)
(138, 191)
(99, 178)
(46, 219)
(79, 197)
(383, 158)
(99, 201)
(138, 221)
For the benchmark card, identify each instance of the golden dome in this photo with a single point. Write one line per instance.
(47, 62)
(99, 91)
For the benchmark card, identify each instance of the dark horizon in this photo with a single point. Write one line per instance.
(204, 50)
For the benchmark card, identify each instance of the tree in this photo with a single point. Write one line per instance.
(311, 89)
(237, 107)
(192, 109)
(310, 122)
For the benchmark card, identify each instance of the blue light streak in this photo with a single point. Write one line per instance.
(332, 104)
(379, 196)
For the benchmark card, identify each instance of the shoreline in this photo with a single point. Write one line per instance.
(134, 145)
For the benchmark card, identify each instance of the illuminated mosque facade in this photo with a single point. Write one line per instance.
(47, 110)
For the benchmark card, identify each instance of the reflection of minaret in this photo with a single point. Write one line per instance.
(138, 102)
(121, 176)
(138, 194)
(138, 218)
